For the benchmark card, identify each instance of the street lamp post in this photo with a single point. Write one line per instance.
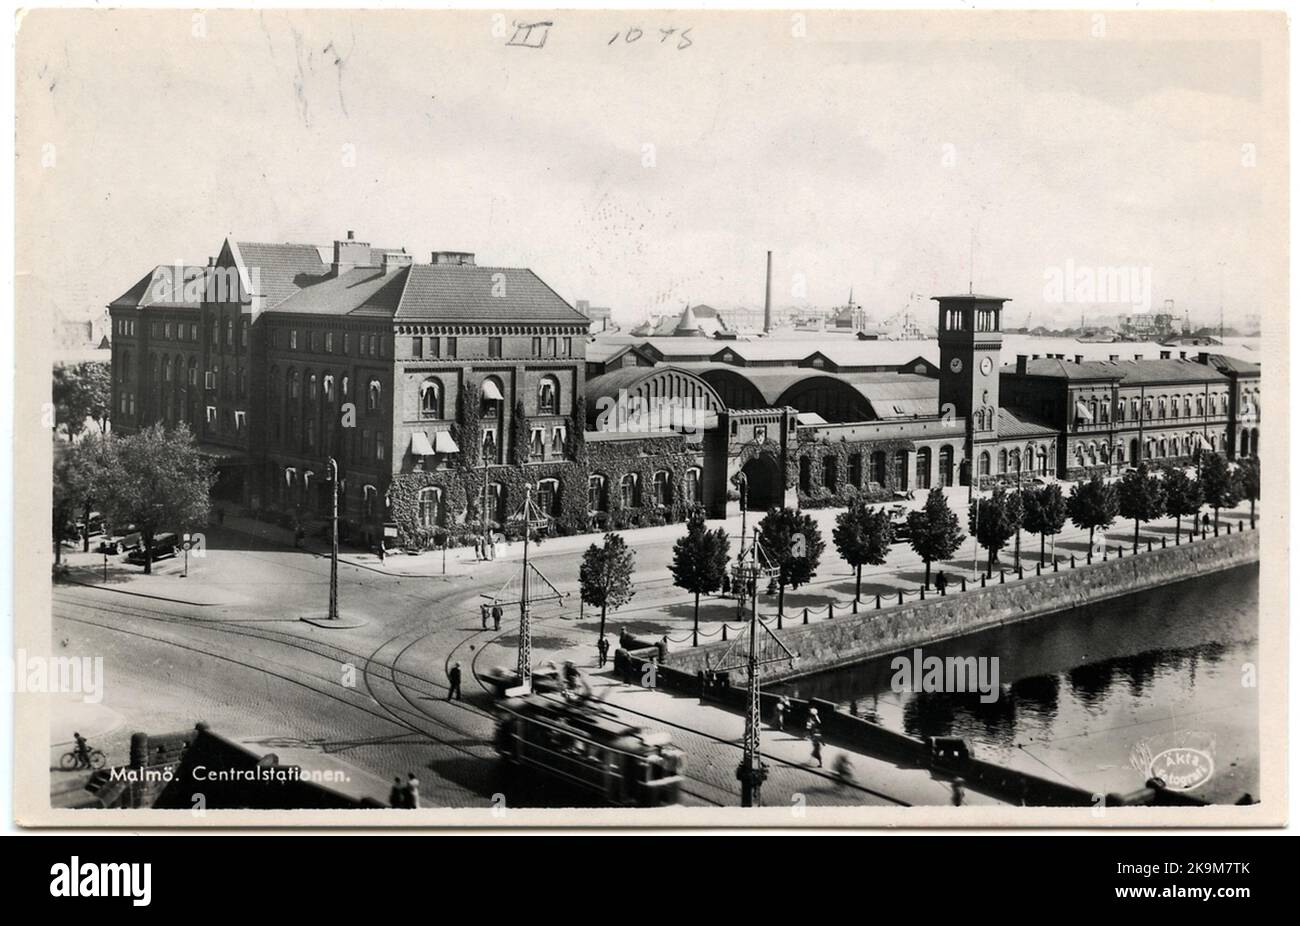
(334, 539)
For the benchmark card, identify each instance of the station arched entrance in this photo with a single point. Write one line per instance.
(764, 483)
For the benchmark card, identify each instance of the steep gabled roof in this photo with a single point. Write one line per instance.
(363, 291)
(281, 269)
(468, 293)
(165, 287)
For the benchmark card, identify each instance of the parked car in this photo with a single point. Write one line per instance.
(164, 546)
(115, 542)
(90, 526)
(898, 523)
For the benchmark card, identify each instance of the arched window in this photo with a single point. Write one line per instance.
(490, 445)
(923, 468)
(984, 463)
(1200, 406)
(1042, 461)
(629, 491)
(878, 467)
(372, 395)
(491, 397)
(1163, 408)
(369, 494)
(691, 488)
(1164, 448)
(945, 466)
(1015, 463)
(293, 384)
(597, 494)
(432, 512)
(558, 435)
(663, 488)
(548, 396)
(327, 383)
(430, 399)
(346, 386)
(311, 386)
(1002, 462)
(548, 496)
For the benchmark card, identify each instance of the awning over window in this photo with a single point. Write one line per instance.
(443, 443)
(420, 444)
(490, 391)
(1081, 411)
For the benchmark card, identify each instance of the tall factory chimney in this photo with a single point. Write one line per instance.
(767, 298)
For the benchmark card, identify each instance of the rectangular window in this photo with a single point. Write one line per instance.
(537, 347)
(374, 345)
(379, 446)
(494, 348)
(435, 345)
(329, 342)
(167, 331)
(417, 348)
(568, 347)
(550, 347)
(451, 348)
(346, 338)
(293, 339)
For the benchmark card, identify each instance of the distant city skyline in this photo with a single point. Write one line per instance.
(1102, 152)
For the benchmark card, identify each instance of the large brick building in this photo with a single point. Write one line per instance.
(441, 388)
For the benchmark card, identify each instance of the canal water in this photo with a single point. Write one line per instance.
(1091, 695)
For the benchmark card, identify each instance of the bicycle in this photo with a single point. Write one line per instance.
(72, 760)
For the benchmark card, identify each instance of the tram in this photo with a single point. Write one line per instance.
(585, 745)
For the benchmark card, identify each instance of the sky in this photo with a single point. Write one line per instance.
(878, 152)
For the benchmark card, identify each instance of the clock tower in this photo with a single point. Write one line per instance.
(970, 350)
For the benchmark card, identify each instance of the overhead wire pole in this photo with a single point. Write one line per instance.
(334, 539)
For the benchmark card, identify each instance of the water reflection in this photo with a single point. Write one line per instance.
(1084, 686)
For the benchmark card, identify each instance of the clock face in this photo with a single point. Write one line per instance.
(956, 364)
(986, 365)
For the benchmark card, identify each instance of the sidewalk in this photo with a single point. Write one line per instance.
(916, 786)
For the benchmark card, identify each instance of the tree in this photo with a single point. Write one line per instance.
(990, 522)
(1182, 498)
(158, 481)
(86, 475)
(605, 576)
(1016, 516)
(936, 531)
(81, 391)
(1044, 515)
(700, 561)
(1091, 505)
(793, 545)
(1219, 484)
(862, 535)
(1248, 476)
(1141, 497)
(519, 447)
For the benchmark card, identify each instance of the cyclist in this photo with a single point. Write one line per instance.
(82, 749)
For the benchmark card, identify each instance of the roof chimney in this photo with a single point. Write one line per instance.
(1137, 356)
(1035, 357)
(1113, 357)
(767, 297)
(1182, 355)
(349, 254)
(1078, 358)
(395, 260)
(1165, 355)
(458, 258)
(1022, 363)
(1203, 357)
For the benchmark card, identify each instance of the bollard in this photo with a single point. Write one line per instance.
(724, 633)
(1089, 557)
(1038, 570)
(1119, 551)
(1177, 538)
(855, 606)
(1164, 543)
(1148, 544)
(805, 615)
(1105, 553)
(779, 616)
(923, 593)
(1056, 566)
(900, 596)
(1071, 560)
(983, 580)
(1021, 570)
(1002, 577)
(830, 610)
(877, 602)
(963, 583)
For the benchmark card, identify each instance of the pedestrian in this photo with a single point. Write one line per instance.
(624, 639)
(453, 680)
(958, 791)
(941, 582)
(397, 794)
(412, 791)
(814, 724)
(782, 705)
(496, 617)
(816, 737)
(483, 614)
(662, 647)
(382, 550)
(843, 769)
(602, 652)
